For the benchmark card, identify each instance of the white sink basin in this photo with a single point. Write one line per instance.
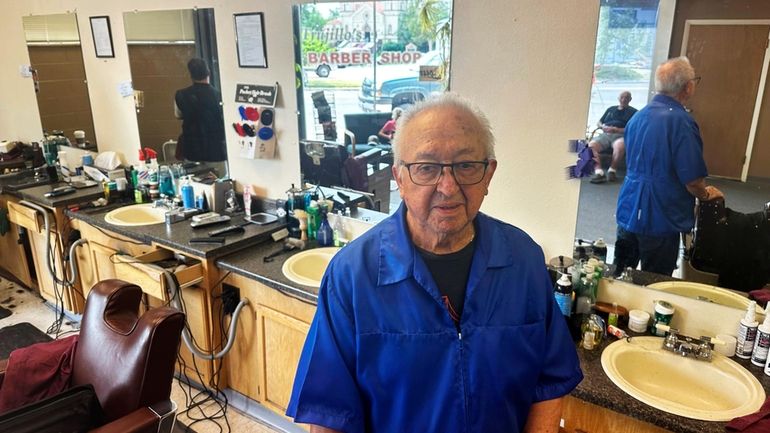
(719, 390)
(136, 215)
(308, 267)
(705, 292)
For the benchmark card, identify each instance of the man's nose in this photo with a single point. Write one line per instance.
(447, 183)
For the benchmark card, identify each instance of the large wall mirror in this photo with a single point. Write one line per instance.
(160, 45)
(731, 103)
(56, 59)
(357, 61)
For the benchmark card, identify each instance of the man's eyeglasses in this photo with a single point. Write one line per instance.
(464, 172)
(697, 80)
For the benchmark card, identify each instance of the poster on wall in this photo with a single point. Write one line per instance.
(250, 40)
(102, 34)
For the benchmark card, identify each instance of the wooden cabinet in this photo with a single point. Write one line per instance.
(583, 417)
(13, 258)
(271, 334)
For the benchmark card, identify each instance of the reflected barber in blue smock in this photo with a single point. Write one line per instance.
(440, 318)
(666, 172)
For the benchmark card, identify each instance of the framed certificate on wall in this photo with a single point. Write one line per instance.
(102, 34)
(250, 40)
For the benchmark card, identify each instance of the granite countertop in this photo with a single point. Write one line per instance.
(36, 194)
(177, 236)
(248, 263)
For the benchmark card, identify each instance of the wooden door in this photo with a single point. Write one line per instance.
(729, 60)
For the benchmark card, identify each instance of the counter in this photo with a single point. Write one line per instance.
(177, 236)
(36, 194)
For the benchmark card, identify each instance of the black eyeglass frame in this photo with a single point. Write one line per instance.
(451, 166)
(696, 79)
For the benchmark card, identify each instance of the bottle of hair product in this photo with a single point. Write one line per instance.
(563, 294)
(762, 343)
(747, 333)
(324, 235)
(188, 196)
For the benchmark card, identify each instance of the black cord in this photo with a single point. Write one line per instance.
(117, 238)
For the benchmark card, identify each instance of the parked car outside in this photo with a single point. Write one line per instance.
(399, 83)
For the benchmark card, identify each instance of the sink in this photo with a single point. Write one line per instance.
(705, 292)
(136, 215)
(308, 267)
(719, 390)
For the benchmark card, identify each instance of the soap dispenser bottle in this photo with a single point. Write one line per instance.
(747, 333)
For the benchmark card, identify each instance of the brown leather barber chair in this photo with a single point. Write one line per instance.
(127, 358)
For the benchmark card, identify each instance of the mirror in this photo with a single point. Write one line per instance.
(357, 61)
(627, 54)
(56, 60)
(160, 45)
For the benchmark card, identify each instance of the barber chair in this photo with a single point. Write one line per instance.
(128, 359)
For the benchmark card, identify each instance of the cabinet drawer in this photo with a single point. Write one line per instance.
(144, 271)
(24, 216)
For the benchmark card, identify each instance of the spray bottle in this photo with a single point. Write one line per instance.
(747, 333)
(762, 343)
(142, 173)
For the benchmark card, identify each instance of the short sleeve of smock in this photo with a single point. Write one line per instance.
(560, 372)
(325, 392)
(688, 153)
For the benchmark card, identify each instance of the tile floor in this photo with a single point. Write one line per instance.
(27, 306)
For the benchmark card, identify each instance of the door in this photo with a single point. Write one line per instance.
(728, 58)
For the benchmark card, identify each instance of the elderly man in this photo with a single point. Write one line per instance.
(666, 172)
(440, 318)
(613, 123)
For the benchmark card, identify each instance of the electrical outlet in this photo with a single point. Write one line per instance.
(231, 295)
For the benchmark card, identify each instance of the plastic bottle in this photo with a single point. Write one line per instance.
(325, 235)
(762, 343)
(339, 230)
(142, 172)
(612, 318)
(563, 294)
(747, 332)
(188, 196)
(312, 219)
(152, 164)
(247, 200)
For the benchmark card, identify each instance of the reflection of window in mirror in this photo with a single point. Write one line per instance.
(55, 55)
(623, 61)
(160, 45)
(357, 61)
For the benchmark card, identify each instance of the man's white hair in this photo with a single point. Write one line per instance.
(447, 99)
(672, 76)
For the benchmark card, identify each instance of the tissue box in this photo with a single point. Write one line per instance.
(214, 192)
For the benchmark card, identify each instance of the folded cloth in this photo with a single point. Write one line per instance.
(52, 361)
(762, 296)
(758, 422)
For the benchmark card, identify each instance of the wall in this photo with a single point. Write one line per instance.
(733, 10)
(526, 64)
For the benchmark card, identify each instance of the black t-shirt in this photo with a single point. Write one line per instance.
(618, 118)
(203, 123)
(450, 272)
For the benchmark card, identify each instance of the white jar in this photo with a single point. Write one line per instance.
(638, 320)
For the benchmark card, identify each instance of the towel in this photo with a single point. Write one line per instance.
(762, 296)
(758, 422)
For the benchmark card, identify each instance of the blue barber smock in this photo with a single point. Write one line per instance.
(664, 152)
(383, 354)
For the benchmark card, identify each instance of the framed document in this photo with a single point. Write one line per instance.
(102, 34)
(250, 40)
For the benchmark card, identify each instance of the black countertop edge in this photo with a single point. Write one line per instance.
(176, 236)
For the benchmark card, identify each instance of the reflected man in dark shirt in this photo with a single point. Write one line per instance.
(613, 124)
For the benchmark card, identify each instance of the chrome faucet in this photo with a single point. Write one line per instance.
(698, 348)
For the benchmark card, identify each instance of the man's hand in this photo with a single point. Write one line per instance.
(713, 193)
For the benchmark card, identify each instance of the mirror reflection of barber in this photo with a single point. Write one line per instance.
(200, 108)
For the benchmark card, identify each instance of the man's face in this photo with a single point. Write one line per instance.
(442, 135)
(624, 99)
